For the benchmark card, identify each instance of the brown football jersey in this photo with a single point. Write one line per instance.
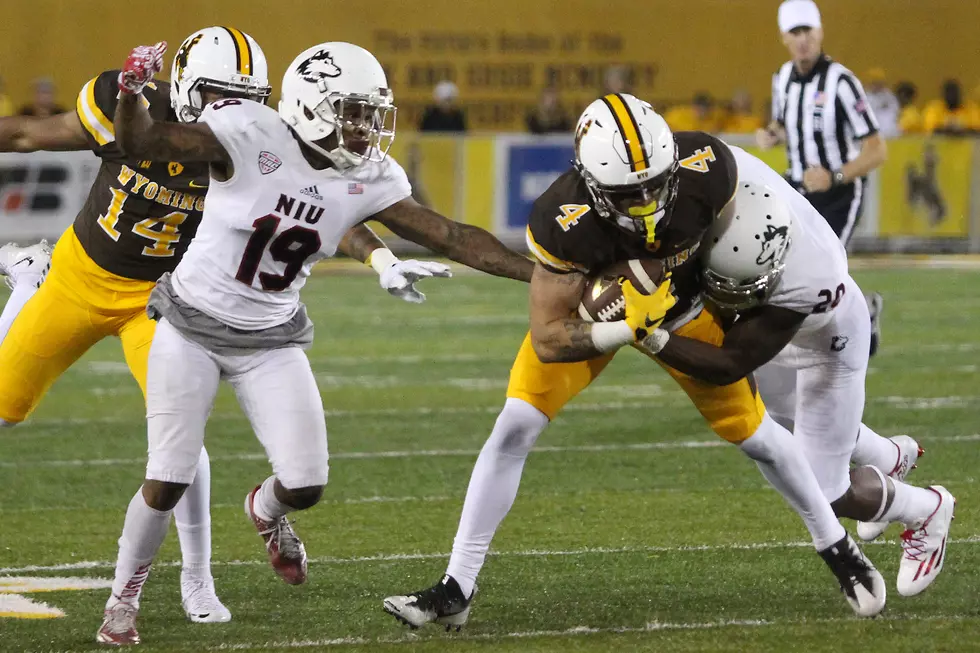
(565, 233)
(140, 215)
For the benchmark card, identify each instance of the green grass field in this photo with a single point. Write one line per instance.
(625, 536)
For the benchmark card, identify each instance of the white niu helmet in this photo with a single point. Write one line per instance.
(220, 59)
(626, 154)
(746, 250)
(339, 88)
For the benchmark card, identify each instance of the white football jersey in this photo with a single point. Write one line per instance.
(815, 278)
(264, 229)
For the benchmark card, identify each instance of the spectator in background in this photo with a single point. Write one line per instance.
(698, 116)
(6, 106)
(884, 104)
(951, 115)
(909, 117)
(548, 117)
(445, 115)
(740, 119)
(616, 80)
(44, 104)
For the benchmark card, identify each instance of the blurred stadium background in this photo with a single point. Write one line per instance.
(706, 63)
(635, 529)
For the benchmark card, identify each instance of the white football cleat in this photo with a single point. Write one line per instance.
(908, 452)
(25, 264)
(924, 545)
(201, 603)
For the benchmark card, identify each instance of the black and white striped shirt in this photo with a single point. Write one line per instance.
(825, 114)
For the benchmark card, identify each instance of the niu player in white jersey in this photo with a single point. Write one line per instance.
(803, 330)
(285, 188)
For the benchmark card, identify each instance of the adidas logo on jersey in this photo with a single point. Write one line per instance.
(312, 192)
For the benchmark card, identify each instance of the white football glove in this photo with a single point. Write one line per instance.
(399, 278)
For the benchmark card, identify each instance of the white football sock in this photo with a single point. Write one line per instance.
(493, 488)
(782, 462)
(192, 515)
(142, 534)
(910, 504)
(18, 297)
(265, 505)
(875, 450)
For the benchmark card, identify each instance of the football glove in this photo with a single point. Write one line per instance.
(399, 278)
(644, 313)
(143, 63)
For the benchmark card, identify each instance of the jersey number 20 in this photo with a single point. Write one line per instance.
(292, 247)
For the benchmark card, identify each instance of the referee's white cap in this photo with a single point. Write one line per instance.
(798, 13)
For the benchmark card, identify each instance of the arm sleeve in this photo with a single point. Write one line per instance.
(543, 241)
(96, 106)
(857, 111)
(231, 122)
(392, 186)
(777, 101)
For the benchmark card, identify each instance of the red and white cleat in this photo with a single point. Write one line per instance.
(287, 555)
(909, 451)
(924, 545)
(119, 626)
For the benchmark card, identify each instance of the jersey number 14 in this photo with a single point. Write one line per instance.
(292, 247)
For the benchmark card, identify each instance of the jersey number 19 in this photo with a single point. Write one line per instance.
(292, 247)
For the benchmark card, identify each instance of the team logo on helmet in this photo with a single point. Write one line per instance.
(183, 53)
(317, 67)
(774, 243)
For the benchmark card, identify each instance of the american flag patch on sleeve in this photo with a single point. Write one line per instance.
(355, 188)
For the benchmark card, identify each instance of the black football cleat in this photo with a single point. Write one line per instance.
(443, 603)
(863, 586)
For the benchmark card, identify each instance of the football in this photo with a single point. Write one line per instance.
(603, 299)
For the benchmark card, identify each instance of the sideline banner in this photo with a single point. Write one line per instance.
(42, 192)
(928, 188)
(526, 166)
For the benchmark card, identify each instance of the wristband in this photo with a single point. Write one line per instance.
(380, 259)
(607, 336)
(656, 341)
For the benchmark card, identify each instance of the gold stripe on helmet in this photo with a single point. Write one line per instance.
(243, 50)
(629, 130)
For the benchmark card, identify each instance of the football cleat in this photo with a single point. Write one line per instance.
(863, 586)
(119, 626)
(909, 452)
(286, 551)
(443, 603)
(924, 546)
(876, 304)
(25, 264)
(201, 603)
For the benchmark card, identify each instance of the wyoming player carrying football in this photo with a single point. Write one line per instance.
(636, 191)
(135, 225)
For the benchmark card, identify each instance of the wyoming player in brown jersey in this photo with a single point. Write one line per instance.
(636, 191)
(135, 225)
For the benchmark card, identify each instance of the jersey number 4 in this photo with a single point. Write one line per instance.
(570, 215)
(292, 247)
(698, 162)
(162, 231)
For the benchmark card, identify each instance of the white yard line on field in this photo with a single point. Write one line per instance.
(534, 553)
(576, 631)
(435, 453)
(654, 395)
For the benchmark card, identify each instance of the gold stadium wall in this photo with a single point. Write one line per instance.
(501, 53)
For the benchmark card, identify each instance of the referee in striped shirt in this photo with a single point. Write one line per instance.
(820, 111)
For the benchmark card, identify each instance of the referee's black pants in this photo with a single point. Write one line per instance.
(841, 207)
